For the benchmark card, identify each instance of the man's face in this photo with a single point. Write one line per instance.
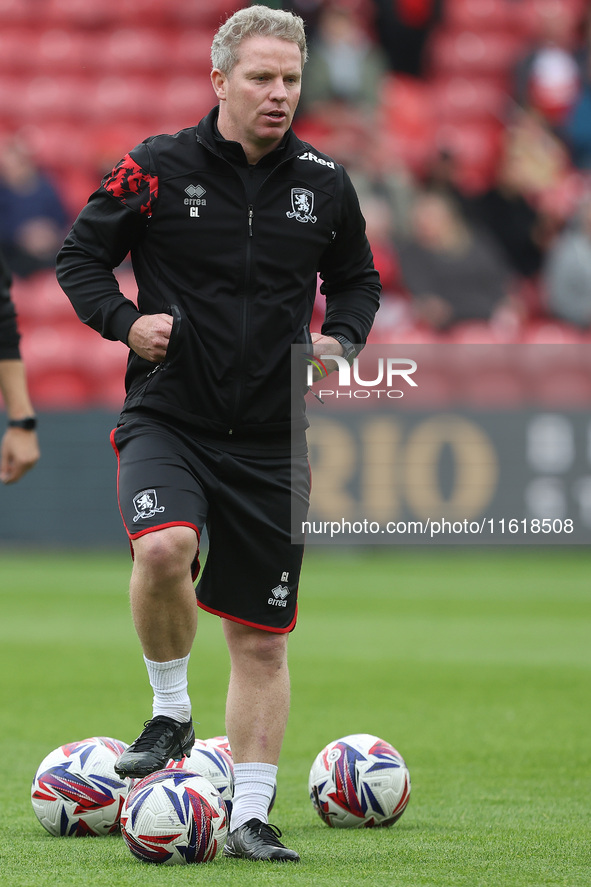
(259, 97)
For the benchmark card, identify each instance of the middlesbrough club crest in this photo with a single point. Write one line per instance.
(146, 505)
(302, 205)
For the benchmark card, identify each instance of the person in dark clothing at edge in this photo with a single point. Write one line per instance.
(19, 448)
(228, 224)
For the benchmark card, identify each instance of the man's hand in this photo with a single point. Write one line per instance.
(18, 453)
(149, 336)
(326, 345)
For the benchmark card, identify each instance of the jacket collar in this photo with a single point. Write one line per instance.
(209, 135)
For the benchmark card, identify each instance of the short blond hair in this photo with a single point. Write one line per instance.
(255, 21)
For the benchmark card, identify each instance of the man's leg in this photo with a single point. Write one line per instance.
(256, 717)
(164, 612)
(258, 696)
(162, 595)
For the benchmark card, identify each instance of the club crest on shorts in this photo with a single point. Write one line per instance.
(302, 205)
(146, 505)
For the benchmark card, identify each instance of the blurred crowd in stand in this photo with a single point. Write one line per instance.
(465, 126)
(502, 239)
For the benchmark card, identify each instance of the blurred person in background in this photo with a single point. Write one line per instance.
(442, 174)
(32, 215)
(19, 448)
(576, 130)
(567, 270)
(404, 28)
(375, 173)
(453, 272)
(531, 163)
(380, 234)
(309, 10)
(546, 77)
(344, 72)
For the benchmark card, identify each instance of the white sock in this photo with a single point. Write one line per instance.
(254, 785)
(169, 683)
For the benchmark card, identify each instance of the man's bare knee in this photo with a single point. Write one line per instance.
(266, 647)
(166, 553)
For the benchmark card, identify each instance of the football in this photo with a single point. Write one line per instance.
(359, 781)
(76, 791)
(174, 817)
(219, 742)
(213, 763)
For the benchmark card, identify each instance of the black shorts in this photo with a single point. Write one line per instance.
(246, 499)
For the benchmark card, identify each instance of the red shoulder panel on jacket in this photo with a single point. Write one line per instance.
(132, 185)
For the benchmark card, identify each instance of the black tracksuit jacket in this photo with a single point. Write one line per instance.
(232, 253)
(9, 335)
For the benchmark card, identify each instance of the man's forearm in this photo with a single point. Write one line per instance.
(13, 386)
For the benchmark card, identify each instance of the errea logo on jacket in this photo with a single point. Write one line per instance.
(309, 156)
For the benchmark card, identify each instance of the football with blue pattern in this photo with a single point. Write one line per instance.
(174, 817)
(76, 791)
(359, 781)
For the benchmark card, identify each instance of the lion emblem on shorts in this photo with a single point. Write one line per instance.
(146, 505)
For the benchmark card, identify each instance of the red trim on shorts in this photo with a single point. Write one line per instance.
(114, 445)
(290, 627)
(179, 523)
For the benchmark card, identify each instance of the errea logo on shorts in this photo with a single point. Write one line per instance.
(280, 593)
(309, 156)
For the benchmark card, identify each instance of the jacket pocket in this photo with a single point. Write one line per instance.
(175, 335)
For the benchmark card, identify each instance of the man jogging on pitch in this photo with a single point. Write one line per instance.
(228, 224)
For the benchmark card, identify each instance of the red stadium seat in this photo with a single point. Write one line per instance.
(551, 333)
(406, 102)
(17, 48)
(476, 147)
(191, 50)
(479, 15)
(210, 14)
(42, 299)
(54, 50)
(60, 390)
(408, 334)
(48, 97)
(182, 101)
(77, 13)
(469, 53)
(134, 49)
(10, 100)
(62, 345)
(459, 99)
(57, 143)
(14, 12)
(121, 97)
(407, 121)
(529, 11)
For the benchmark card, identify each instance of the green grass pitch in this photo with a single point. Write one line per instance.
(476, 665)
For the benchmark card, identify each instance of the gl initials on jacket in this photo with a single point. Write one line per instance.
(195, 200)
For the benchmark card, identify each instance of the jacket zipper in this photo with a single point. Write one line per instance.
(243, 318)
(247, 280)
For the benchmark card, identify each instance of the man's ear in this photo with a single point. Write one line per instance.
(218, 81)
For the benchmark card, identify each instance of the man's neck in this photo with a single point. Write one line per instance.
(253, 153)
